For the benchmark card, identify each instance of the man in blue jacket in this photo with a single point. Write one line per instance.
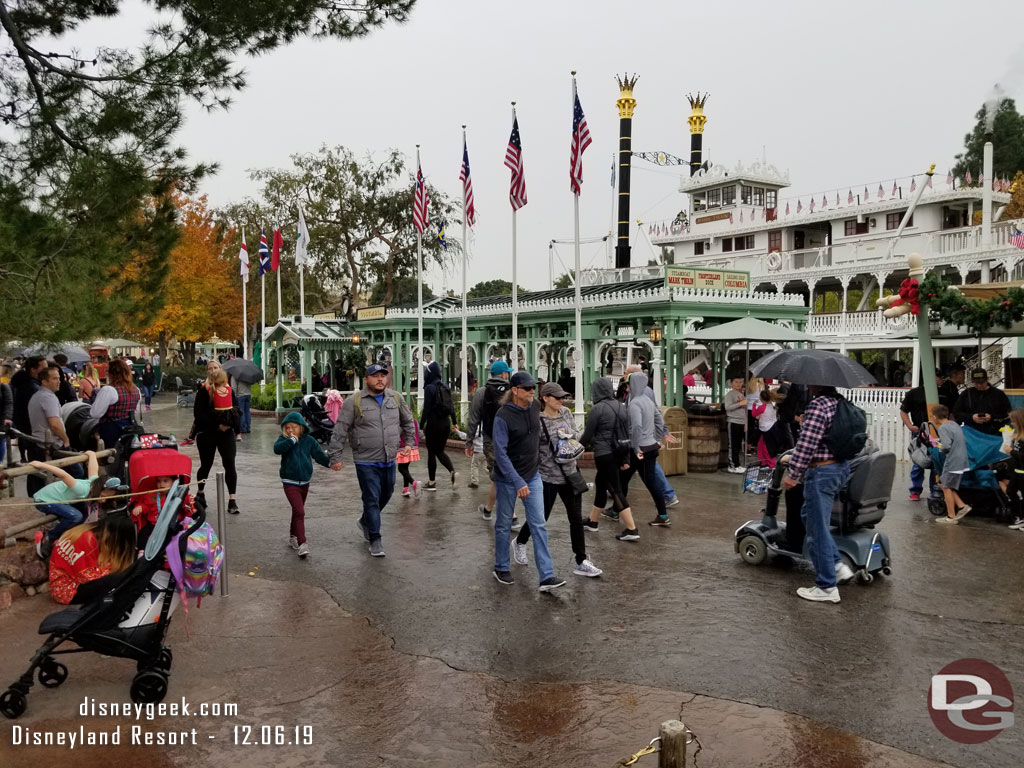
(517, 475)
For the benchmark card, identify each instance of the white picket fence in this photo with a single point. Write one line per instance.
(882, 405)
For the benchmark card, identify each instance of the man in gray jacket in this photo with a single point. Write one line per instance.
(374, 420)
(661, 432)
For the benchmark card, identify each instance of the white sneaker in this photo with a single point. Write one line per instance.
(947, 520)
(454, 476)
(587, 568)
(737, 470)
(417, 488)
(844, 573)
(674, 501)
(303, 550)
(293, 542)
(1017, 524)
(519, 553)
(819, 595)
(962, 512)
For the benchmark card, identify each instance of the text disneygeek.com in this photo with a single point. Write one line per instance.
(140, 735)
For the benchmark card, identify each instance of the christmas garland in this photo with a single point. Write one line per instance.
(977, 316)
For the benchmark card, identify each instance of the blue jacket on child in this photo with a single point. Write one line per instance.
(297, 454)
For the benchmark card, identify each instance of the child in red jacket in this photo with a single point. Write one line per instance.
(144, 513)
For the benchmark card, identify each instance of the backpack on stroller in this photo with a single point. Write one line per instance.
(320, 423)
(131, 620)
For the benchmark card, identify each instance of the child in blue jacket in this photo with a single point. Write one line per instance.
(297, 449)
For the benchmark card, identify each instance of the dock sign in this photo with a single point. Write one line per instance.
(687, 277)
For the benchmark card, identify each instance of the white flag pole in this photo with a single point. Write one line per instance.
(263, 303)
(514, 357)
(245, 313)
(304, 245)
(578, 370)
(464, 410)
(277, 227)
(419, 297)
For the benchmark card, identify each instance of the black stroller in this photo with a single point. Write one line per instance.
(129, 622)
(320, 424)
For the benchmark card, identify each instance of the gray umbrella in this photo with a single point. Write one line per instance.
(74, 354)
(813, 366)
(243, 370)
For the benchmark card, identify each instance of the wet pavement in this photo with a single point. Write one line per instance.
(421, 658)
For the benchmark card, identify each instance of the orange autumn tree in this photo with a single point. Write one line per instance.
(202, 293)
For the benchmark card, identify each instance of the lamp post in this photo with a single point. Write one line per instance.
(655, 335)
(214, 340)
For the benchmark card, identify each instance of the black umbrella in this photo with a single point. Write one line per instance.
(813, 366)
(243, 370)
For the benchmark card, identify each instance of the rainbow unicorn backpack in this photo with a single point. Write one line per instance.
(198, 569)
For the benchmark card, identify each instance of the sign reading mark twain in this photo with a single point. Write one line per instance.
(685, 277)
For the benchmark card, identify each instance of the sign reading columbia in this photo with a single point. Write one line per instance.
(685, 277)
(970, 701)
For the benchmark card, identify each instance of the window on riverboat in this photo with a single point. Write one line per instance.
(714, 198)
(729, 195)
(775, 241)
(758, 200)
(745, 194)
(744, 243)
(698, 248)
(727, 245)
(892, 220)
(770, 198)
(852, 227)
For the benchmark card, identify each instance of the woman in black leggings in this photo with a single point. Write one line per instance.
(216, 424)
(436, 423)
(606, 429)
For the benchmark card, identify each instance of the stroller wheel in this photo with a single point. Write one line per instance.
(52, 673)
(864, 576)
(165, 658)
(753, 550)
(13, 703)
(149, 687)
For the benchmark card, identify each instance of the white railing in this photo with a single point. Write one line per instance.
(869, 323)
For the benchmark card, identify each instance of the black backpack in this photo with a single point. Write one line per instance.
(443, 404)
(621, 441)
(493, 392)
(848, 433)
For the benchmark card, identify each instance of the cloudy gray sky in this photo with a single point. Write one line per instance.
(841, 94)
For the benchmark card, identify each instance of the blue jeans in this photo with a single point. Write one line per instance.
(147, 391)
(667, 491)
(68, 516)
(821, 484)
(243, 407)
(534, 505)
(377, 485)
(917, 481)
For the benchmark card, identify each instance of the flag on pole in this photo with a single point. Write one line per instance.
(913, 184)
(837, 199)
(812, 205)
(866, 195)
(441, 237)
(264, 253)
(881, 192)
(849, 198)
(580, 141)
(981, 180)
(467, 186)
(949, 177)
(787, 208)
(301, 241)
(1017, 241)
(514, 162)
(741, 217)
(824, 202)
(968, 177)
(613, 173)
(895, 189)
(243, 260)
(929, 182)
(275, 250)
(799, 206)
(420, 203)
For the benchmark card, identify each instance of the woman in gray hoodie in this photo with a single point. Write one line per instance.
(606, 430)
(645, 422)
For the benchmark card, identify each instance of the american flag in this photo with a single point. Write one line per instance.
(420, 203)
(787, 209)
(881, 192)
(1017, 241)
(467, 186)
(741, 217)
(580, 141)
(824, 202)
(913, 184)
(514, 162)
(949, 177)
(799, 206)
(968, 177)
(895, 189)
(264, 253)
(812, 205)
(849, 198)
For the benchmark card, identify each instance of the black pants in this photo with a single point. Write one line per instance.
(210, 444)
(573, 510)
(609, 482)
(436, 438)
(735, 444)
(403, 470)
(649, 476)
(1014, 491)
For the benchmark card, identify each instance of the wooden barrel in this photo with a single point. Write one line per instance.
(703, 443)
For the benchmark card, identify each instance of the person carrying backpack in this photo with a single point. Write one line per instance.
(436, 423)
(486, 401)
(373, 420)
(608, 431)
(823, 466)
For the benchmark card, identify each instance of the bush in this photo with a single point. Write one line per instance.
(264, 396)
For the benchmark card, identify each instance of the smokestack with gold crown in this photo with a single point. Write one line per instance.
(697, 121)
(626, 104)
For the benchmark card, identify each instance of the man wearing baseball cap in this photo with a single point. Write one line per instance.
(982, 406)
(517, 475)
(485, 405)
(375, 418)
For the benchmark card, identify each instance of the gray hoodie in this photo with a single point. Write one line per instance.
(600, 428)
(644, 415)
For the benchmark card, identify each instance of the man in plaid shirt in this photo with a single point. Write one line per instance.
(823, 476)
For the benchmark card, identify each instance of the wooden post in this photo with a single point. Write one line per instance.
(673, 745)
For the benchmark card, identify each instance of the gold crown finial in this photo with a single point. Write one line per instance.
(697, 120)
(626, 103)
